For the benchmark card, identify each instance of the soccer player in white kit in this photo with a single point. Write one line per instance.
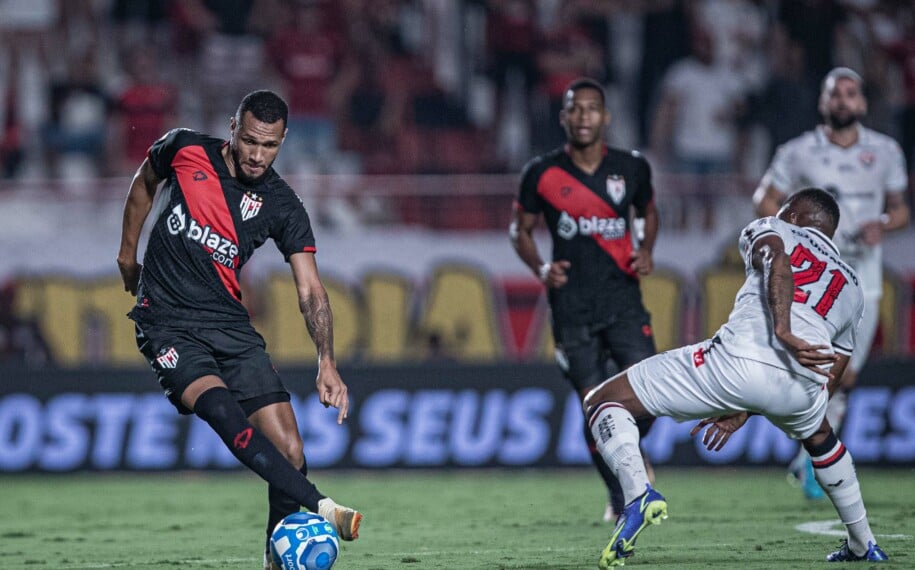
(866, 172)
(787, 342)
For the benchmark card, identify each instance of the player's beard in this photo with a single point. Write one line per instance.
(838, 121)
(240, 174)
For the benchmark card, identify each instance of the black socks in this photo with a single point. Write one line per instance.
(218, 408)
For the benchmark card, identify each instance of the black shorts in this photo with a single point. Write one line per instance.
(236, 354)
(589, 354)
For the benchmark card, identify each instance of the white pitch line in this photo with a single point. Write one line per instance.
(825, 528)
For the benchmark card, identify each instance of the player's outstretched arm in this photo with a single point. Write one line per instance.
(136, 209)
(315, 308)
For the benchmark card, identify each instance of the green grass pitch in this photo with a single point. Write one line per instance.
(526, 519)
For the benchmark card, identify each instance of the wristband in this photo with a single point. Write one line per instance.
(544, 271)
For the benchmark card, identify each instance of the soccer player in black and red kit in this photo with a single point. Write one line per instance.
(585, 191)
(222, 200)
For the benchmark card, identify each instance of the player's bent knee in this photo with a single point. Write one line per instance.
(823, 436)
(616, 389)
(291, 448)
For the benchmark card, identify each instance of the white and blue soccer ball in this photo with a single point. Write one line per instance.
(304, 541)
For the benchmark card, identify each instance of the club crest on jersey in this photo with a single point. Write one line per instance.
(168, 357)
(616, 187)
(867, 158)
(250, 205)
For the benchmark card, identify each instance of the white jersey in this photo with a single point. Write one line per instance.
(860, 176)
(828, 301)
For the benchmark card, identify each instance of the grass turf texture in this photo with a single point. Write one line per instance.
(719, 518)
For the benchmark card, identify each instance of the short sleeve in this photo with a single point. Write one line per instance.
(294, 234)
(644, 192)
(528, 198)
(163, 151)
(781, 173)
(844, 342)
(897, 179)
(754, 231)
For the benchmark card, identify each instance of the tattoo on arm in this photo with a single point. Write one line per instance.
(779, 289)
(320, 323)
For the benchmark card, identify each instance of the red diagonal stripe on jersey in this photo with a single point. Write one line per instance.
(582, 202)
(207, 205)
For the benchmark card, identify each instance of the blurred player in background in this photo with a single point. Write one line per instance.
(585, 191)
(865, 171)
(781, 354)
(222, 200)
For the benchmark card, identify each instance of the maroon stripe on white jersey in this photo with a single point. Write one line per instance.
(566, 193)
(207, 205)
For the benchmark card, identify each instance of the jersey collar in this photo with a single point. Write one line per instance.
(823, 237)
(823, 140)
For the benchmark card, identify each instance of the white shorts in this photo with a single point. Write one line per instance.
(703, 380)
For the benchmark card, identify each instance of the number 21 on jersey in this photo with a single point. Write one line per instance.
(811, 270)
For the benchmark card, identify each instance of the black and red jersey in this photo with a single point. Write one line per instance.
(588, 219)
(209, 227)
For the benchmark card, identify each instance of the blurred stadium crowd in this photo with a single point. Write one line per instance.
(429, 86)
(706, 88)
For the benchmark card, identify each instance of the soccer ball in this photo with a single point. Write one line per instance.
(304, 541)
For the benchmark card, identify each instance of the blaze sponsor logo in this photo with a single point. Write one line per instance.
(168, 357)
(222, 250)
(606, 228)
(176, 221)
(250, 205)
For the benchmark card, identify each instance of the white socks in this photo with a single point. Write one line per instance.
(835, 472)
(617, 439)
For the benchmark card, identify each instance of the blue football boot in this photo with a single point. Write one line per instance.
(649, 508)
(844, 554)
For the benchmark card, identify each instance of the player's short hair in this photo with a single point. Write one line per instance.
(821, 200)
(266, 106)
(840, 73)
(584, 83)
